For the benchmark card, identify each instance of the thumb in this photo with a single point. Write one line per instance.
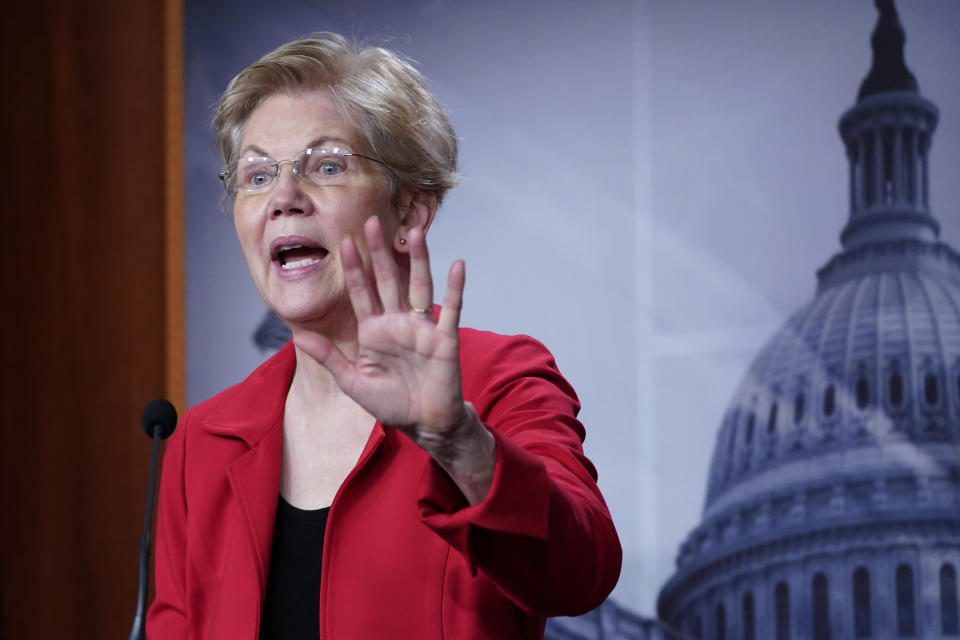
(321, 349)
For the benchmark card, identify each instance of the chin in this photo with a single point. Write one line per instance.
(299, 313)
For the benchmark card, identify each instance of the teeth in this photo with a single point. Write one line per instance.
(285, 247)
(306, 262)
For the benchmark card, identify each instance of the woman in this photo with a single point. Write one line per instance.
(386, 474)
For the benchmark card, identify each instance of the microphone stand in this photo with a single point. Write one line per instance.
(138, 632)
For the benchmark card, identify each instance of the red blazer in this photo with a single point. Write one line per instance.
(405, 556)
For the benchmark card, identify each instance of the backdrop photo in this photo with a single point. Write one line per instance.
(649, 188)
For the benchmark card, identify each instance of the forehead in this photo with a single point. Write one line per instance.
(284, 124)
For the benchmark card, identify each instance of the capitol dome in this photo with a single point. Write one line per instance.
(862, 381)
(833, 499)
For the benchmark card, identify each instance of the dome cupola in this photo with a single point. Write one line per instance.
(887, 136)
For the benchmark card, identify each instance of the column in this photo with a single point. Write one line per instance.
(908, 168)
(764, 606)
(861, 196)
(928, 593)
(924, 148)
(915, 178)
(896, 165)
(885, 612)
(800, 608)
(840, 600)
(878, 180)
(853, 155)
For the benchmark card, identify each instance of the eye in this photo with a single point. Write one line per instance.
(256, 173)
(259, 179)
(327, 166)
(330, 168)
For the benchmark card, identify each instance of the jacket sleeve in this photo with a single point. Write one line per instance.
(543, 534)
(167, 616)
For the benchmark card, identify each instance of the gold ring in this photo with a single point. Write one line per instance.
(419, 310)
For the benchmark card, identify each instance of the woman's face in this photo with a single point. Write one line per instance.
(290, 232)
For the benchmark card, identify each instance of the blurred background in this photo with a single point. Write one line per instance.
(648, 188)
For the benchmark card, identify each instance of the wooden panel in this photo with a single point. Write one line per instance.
(176, 383)
(91, 294)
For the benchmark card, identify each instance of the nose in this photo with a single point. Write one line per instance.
(288, 196)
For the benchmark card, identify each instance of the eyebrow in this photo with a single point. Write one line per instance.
(254, 148)
(316, 142)
(319, 142)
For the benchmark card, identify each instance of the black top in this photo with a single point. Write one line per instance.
(291, 609)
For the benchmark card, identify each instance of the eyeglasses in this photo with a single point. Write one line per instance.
(322, 166)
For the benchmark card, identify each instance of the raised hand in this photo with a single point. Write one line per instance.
(407, 369)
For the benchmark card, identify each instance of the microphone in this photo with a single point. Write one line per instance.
(158, 419)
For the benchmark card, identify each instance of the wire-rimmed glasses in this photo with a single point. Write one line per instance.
(322, 166)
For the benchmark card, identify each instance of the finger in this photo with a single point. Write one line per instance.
(321, 349)
(421, 282)
(384, 266)
(358, 285)
(453, 298)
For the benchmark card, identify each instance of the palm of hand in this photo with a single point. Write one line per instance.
(407, 372)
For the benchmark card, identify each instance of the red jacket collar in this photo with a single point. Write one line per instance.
(250, 409)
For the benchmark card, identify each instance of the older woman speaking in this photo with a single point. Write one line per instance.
(387, 474)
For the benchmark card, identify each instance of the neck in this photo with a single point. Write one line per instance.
(312, 382)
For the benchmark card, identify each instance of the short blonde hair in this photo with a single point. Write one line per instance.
(383, 96)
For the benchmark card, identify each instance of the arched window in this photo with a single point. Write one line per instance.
(949, 622)
(931, 392)
(906, 616)
(829, 400)
(896, 389)
(821, 608)
(749, 620)
(863, 392)
(721, 622)
(781, 604)
(772, 418)
(799, 401)
(862, 624)
(733, 431)
(750, 421)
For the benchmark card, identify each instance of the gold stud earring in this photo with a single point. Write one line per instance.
(403, 242)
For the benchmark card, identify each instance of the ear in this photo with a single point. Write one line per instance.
(417, 209)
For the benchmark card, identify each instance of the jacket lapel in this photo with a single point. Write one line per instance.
(254, 415)
(255, 480)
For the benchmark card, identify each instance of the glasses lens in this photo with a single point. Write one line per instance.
(324, 165)
(255, 173)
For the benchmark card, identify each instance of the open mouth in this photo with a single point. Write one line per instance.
(295, 256)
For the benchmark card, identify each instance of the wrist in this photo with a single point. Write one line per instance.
(467, 453)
